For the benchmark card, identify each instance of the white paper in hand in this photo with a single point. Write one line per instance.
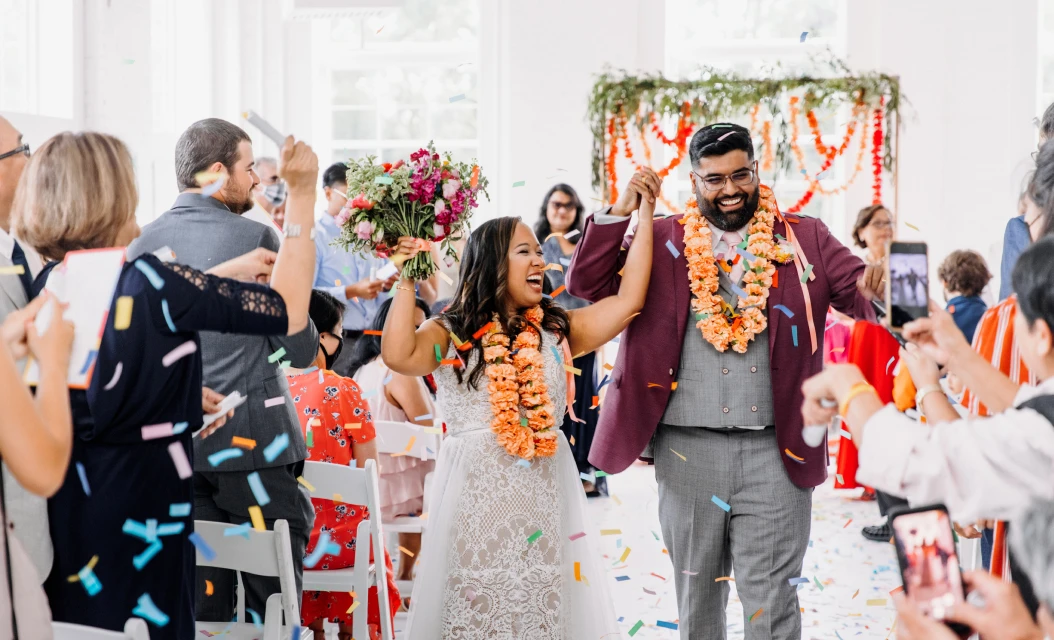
(85, 281)
(232, 401)
(387, 271)
(265, 127)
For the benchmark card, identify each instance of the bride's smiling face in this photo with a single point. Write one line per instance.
(526, 273)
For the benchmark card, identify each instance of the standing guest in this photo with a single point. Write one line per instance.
(339, 430)
(36, 439)
(732, 429)
(78, 192)
(562, 215)
(398, 398)
(205, 230)
(269, 195)
(964, 276)
(26, 513)
(347, 276)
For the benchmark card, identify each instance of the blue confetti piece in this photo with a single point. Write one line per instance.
(179, 510)
(603, 382)
(242, 530)
(140, 560)
(203, 547)
(320, 550)
(457, 98)
(89, 581)
(565, 261)
(672, 249)
(794, 334)
(180, 427)
(88, 361)
(621, 578)
(277, 446)
(368, 394)
(557, 354)
(386, 380)
(383, 180)
(256, 484)
(739, 292)
(787, 312)
(276, 356)
(526, 464)
(520, 183)
(296, 633)
(803, 34)
(666, 625)
(256, 618)
(84, 479)
(588, 477)
(168, 316)
(721, 503)
(226, 454)
(170, 529)
(750, 257)
(798, 581)
(150, 274)
(147, 610)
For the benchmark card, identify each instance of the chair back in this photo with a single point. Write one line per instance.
(395, 437)
(134, 629)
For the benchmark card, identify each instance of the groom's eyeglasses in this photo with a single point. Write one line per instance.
(741, 178)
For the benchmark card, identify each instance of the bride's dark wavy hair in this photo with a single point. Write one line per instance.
(482, 289)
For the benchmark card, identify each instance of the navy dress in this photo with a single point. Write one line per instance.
(134, 483)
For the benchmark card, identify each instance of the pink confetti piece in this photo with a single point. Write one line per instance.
(725, 136)
(155, 431)
(274, 402)
(181, 351)
(116, 376)
(179, 458)
(576, 536)
(890, 363)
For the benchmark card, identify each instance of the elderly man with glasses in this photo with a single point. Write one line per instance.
(27, 514)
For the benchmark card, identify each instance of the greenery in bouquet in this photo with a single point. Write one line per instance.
(430, 197)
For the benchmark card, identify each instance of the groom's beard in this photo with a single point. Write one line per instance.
(729, 220)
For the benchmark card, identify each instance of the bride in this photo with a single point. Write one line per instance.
(507, 553)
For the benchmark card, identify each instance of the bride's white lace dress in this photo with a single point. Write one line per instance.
(479, 576)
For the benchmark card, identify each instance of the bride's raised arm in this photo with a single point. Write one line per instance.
(594, 325)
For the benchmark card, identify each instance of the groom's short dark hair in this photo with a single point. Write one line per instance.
(719, 139)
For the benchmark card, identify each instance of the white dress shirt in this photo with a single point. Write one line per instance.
(7, 247)
(978, 467)
(719, 249)
(257, 214)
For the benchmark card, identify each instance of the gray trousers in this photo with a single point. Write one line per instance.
(764, 536)
(226, 497)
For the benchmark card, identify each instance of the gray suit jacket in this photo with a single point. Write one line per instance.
(203, 233)
(27, 513)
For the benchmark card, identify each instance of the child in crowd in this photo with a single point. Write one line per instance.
(964, 275)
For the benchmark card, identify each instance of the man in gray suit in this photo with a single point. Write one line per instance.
(204, 231)
(26, 513)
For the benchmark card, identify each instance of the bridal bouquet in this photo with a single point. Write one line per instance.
(430, 198)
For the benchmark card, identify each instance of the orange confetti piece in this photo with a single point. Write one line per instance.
(451, 361)
(354, 606)
(673, 387)
(409, 445)
(653, 384)
(596, 403)
(724, 266)
(725, 579)
(578, 572)
(756, 614)
(792, 456)
(245, 443)
(897, 590)
(485, 328)
(464, 346)
(847, 523)
(573, 370)
(558, 291)
(474, 180)
(372, 332)
(407, 551)
(658, 576)
(621, 270)
(208, 587)
(776, 280)
(572, 440)
(855, 594)
(353, 425)
(736, 323)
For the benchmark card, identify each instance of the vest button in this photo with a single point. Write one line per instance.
(725, 409)
(754, 409)
(753, 369)
(724, 371)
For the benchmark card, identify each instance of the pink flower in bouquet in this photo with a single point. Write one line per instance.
(364, 230)
(440, 207)
(439, 231)
(396, 165)
(343, 216)
(445, 218)
(451, 187)
(360, 202)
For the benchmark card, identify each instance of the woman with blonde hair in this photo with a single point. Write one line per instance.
(123, 518)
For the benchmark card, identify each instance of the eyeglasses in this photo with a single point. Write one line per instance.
(563, 205)
(23, 149)
(881, 224)
(740, 178)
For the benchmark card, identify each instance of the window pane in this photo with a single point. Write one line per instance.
(352, 88)
(454, 123)
(403, 124)
(355, 125)
(343, 155)
(393, 154)
(14, 57)
(450, 21)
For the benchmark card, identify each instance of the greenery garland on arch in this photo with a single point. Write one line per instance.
(620, 103)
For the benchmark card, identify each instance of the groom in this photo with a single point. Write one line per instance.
(723, 428)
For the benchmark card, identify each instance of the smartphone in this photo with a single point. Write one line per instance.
(907, 283)
(929, 565)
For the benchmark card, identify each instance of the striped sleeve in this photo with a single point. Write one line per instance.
(995, 341)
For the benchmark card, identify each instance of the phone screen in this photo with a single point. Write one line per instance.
(907, 283)
(928, 562)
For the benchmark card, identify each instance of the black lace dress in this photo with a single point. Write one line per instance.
(127, 495)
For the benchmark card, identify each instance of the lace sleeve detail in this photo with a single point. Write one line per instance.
(258, 300)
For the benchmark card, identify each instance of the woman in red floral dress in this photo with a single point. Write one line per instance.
(339, 429)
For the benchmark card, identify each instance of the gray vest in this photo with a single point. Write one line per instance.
(717, 389)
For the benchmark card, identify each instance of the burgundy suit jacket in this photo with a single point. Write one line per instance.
(650, 347)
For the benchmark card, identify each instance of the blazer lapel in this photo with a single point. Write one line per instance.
(682, 293)
(776, 293)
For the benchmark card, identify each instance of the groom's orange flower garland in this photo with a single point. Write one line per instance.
(517, 379)
(720, 324)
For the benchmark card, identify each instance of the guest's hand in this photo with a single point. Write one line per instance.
(13, 331)
(365, 289)
(1003, 616)
(644, 185)
(52, 349)
(937, 335)
(390, 282)
(299, 167)
(969, 531)
(872, 283)
(210, 403)
(819, 391)
(255, 266)
(922, 367)
(912, 625)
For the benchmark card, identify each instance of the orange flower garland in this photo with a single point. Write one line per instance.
(517, 380)
(720, 325)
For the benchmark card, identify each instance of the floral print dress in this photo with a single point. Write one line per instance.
(334, 416)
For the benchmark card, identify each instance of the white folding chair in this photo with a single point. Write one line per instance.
(265, 553)
(393, 437)
(134, 629)
(355, 486)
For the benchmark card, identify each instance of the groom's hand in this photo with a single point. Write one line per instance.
(645, 184)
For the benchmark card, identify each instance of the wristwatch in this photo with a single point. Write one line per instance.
(923, 392)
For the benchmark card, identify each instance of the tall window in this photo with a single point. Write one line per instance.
(1046, 55)
(756, 38)
(390, 83)
(36, 57)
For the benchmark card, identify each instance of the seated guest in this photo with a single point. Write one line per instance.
(35, 443)
(339, 430)
(398, 398)
(78, 192)
(964, 276)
